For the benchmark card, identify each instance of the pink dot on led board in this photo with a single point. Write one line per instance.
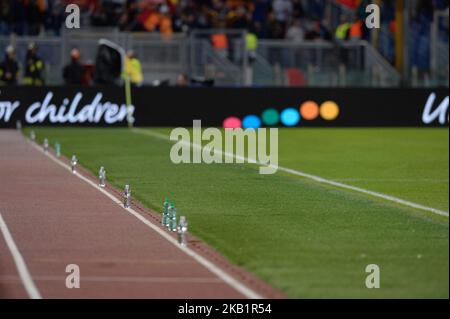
(232, 122)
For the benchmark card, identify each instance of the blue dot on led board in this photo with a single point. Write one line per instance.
(290, 117)
(251, 121)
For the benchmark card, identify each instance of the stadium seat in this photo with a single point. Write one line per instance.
(296, 77)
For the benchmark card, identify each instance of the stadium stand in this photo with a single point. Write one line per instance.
(274, 25)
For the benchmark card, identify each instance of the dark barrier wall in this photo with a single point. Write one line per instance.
(179, 106)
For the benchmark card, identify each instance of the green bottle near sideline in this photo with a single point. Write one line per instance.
(168, 215)
(165, 212)
(170, 211)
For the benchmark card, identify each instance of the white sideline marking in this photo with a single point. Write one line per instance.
(306, 175)
(245, 291)
(394, 180)
(22, 269)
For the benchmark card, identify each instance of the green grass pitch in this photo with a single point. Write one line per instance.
(308, 239)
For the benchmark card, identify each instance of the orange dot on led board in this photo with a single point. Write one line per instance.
(309, 110)
(329, 110)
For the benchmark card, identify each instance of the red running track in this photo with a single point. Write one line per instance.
(56, 219)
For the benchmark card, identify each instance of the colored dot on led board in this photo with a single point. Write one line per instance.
(309, 110)
(232, 122)
(329, 110)
(270, 117)
(251, 121)
(290, 117)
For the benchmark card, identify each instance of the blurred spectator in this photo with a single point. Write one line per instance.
(220, 43)
(283, 10)
(251, 43)
(9, 67)
(6, 7)
(297, 9)
(104, 13)
(267, 18)
(183, 80)
(356, 29)
(272, 28)
(295, 32)
(133, 69)
(73, 72)
(27, 17)
(317, 31)
(324, 32)
(128, 20)
(55, 16)
(34, 67)
(260, 11)
(165, 22)
(342, 30)
(239, 18)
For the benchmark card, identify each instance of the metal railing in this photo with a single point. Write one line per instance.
(331, 64)
(382, 73)
(160, 57)
(322, 63)
(440, 48)
(205, 62)
(226, 67)
(263, 73)
(50, 48)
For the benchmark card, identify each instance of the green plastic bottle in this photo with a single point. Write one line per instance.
(165, 212)
(170, 211)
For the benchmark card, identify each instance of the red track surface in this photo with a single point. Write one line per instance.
(57, 219)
